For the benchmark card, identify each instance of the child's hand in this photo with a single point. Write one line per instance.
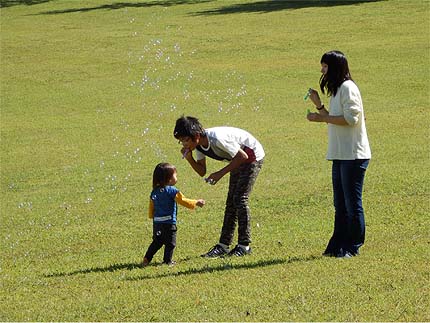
(200, 203)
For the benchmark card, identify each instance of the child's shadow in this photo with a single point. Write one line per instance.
(109, 268)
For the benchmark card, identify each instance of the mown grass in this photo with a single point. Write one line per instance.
(89, 96)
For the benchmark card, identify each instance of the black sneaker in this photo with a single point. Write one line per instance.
(215, 252)
(239, 251)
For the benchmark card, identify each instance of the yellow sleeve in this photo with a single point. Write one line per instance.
(151, 209)
(182, 200)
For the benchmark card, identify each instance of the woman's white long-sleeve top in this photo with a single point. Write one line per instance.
(348, 142)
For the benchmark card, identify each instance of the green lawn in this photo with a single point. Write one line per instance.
(90, 91)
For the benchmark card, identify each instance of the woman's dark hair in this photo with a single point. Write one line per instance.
(163, 172)
(337, 73)
(188, 127)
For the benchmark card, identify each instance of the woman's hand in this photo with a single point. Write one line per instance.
(315, 117)
(315, 98)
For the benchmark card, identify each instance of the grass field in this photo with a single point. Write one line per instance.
(90, 91)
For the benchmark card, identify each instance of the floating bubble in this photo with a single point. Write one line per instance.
(156, 42)
(186, 95)
(159, 54)
(25, 205)
(145, 79)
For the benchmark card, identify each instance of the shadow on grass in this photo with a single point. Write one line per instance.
(204, 269)
(110, 268)
(251, 7)
(122, 5)
(11, 3)
(224, 267)
(277, 5)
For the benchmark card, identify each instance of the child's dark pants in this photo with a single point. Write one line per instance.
(164, 234)
(237, 210)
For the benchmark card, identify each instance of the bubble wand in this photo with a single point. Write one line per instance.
(185, 153)
(210, 181)
(307, 94)
(306, 97)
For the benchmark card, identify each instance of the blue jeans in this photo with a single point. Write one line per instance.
(349, 225)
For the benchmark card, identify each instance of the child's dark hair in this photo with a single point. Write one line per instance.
(163, 172)
(337, 73)
(188, 127)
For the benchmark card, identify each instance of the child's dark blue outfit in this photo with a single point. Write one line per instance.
(163, 210)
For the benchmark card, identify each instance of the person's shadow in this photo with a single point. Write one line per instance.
(191, 271)
(102, 269)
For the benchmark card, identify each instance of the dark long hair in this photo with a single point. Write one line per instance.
(188, 127)
(163, 172)
(337, 73)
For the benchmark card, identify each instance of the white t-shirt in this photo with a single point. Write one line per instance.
(348, 142)
(225, 142)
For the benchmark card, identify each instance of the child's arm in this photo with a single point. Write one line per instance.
(151, 209)
(188, 203)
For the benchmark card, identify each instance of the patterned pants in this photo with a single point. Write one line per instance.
(237, 210)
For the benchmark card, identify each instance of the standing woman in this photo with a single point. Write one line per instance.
(348, 149)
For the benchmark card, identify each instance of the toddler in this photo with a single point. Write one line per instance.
(163, 210)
